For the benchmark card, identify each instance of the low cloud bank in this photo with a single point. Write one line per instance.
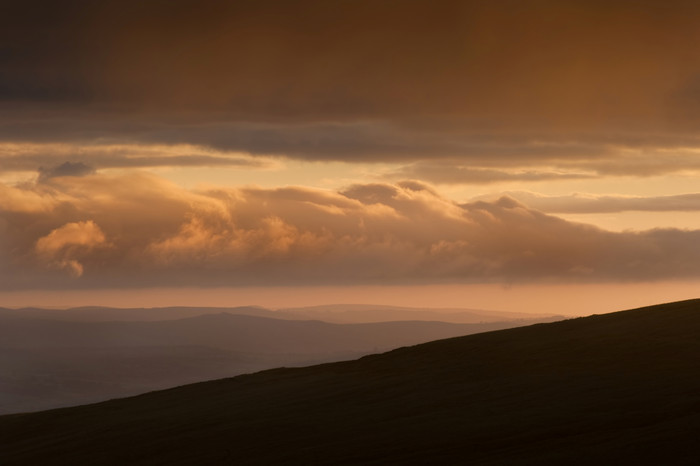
(138, 230)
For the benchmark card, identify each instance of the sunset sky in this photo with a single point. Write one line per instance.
(513, 155)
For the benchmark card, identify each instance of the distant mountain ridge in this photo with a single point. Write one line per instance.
(336, 313)
(620, 388)
(356, 313)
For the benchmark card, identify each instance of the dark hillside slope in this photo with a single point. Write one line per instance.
(620, 388)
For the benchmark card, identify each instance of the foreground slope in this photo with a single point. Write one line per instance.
(616, 388)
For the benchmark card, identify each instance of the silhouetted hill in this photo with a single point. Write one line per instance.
(620, 388)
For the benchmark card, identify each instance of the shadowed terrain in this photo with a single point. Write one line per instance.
(48, 363)
(619, 388)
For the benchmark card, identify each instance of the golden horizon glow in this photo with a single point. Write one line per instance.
(572, 300)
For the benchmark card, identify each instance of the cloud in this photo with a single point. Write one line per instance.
(264, 59)
(65, 169)
(445, 156)
(87, 157)
(456, 173)
(590, 204)
(137, 230)
(65, 245)
(547, 90)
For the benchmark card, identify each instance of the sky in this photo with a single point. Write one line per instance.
(510, 155)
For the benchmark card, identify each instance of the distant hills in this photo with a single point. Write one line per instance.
(334, 313)
(356, 313)
(54, 358)
(621, 388)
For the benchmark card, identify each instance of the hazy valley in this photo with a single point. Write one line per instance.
(53, 358)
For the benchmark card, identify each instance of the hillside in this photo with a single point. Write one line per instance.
(619, 388)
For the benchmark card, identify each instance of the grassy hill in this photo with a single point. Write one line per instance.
(621, 388)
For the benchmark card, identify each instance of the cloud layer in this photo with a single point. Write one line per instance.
(137, 230)
(266, 59)
(85, 158)
(591, 204)
(504, 90)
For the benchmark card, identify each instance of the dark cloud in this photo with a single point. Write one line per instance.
(490, 82)
(449, 156)
(310, 59)
(41, 52)
(128, 231)
(361, 141)
(65, 169)
(28, 156)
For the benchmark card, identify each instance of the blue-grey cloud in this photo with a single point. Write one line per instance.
(65, 169)
(87, 158)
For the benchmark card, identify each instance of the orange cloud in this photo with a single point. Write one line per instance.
(139, 230)
(587, 203)
(64, 245)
